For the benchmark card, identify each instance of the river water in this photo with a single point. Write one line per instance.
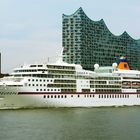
(111, 123)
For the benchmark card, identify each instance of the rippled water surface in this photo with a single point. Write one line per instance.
(122, 123)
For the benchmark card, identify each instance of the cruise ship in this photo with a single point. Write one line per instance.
(69, 85)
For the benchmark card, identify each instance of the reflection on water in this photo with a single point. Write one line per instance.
(120, 123)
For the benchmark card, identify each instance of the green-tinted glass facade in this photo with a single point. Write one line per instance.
(87, 42)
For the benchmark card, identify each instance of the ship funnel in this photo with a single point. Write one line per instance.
(123, 64)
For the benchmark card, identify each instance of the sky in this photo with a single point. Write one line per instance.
(31, 30)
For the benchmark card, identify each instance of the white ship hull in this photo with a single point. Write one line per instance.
(68, 100)
(68, 85)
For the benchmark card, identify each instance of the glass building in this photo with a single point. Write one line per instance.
(87, 42)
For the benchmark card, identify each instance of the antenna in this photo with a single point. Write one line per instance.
(60, 57)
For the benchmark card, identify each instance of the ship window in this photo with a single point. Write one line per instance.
(36, 79)
(36, 84)
(61, 96)
(40, 89)
(44, 85)
(29, 84)
(44, 80)
(55, 96)
(40, 65)
(32, 79)
(48, 96)
(36, 89)
(58, 96)
(71, 95)
(44, 96)
(40, 80)
(40, 84)
(65, 96)
(78, 95)
(90, 96)
(44, 89)
(33, 85)
(48, 89)
(28, 79)
(51, 96)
